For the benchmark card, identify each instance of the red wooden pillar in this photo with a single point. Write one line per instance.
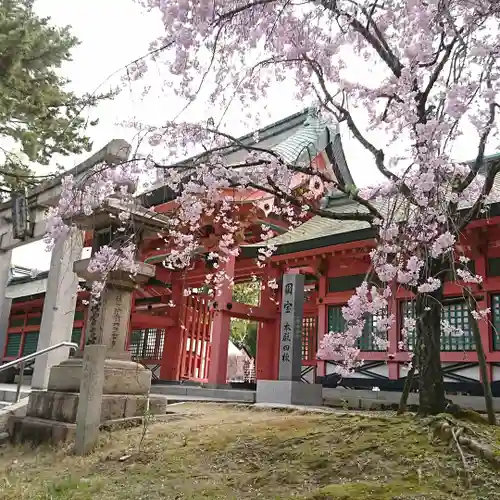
(172, 344)
(268, 335)
(322, 320)
(485, 328)
(486, 335)
(221, 328)
(393, 338)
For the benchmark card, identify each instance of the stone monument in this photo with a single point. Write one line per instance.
(289, 388)
(51, 415)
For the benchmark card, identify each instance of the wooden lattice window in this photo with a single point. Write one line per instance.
(79, 315)
(17, 320)
(309, 337)
(13, 345)
(34, 319)
(147, 343)
(30, 343)
(495, 319)
(24, 328)
(367, 341)
(455, 313)
(76, 335)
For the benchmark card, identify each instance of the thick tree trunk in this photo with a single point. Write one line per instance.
(430, 374)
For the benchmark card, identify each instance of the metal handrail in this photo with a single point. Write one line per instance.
(22, 361)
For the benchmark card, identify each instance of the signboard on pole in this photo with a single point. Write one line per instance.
(292, 312)
(19, 216)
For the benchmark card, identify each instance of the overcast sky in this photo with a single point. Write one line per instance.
(115, 32)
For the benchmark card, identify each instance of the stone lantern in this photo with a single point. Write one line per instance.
(126, 383)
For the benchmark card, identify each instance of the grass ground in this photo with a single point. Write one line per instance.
(226, 452)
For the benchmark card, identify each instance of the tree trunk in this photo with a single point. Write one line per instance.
(403, 401)
(481, 357)
(430, 376)
(407, 388)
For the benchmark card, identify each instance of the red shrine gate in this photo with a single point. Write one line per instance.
(150, 345)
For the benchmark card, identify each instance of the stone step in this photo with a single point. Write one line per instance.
(9, 396)
(38, 430)
(178, 392)
(63, 406)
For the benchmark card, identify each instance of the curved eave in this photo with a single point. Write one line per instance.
(164, 194)
(337, 238)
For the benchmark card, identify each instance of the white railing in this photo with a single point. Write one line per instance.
(22, 362)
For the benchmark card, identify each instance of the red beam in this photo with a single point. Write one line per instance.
(142, 320)
(303, 270)
(492, 221)
(244, 311)
(323, 250)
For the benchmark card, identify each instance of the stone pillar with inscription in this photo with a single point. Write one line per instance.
(289, 388)
(126, 384)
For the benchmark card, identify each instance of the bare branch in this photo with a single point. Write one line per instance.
(376, 40)
(422, 98)
(327, 214)
(378, 154)
(487, 187)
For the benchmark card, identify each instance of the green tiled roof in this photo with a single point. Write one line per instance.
(318, 227)
(321, 231)
(305, 143)
(310, 135)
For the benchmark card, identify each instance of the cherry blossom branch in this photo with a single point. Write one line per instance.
(376, 41)
(346, 116)
(238, 10)
(474, 211)
(327, 214)
(422, 98)
(308, 170)
(484, 136)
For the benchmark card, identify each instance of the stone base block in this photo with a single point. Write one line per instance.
(287, 392)
(38, 431)
(120, 377)
(63, 406)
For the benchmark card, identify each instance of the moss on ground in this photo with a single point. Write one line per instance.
(224, 452)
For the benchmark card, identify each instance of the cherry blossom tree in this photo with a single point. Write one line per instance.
(435, 73)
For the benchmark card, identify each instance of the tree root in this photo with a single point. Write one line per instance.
(448, 430)
(465, 414)
(456, 435)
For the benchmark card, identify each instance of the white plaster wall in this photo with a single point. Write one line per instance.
(382, 370)
(468, 371)
(310, 376)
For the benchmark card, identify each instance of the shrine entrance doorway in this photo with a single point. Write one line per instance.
(309, 344)
(196, 325)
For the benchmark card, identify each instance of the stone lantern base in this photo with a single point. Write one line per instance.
(51, 415)
(120, 376)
